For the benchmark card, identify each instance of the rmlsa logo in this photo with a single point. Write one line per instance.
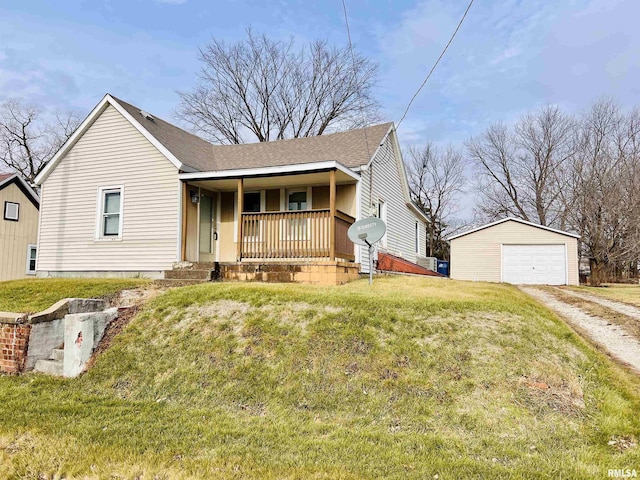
(622, 473)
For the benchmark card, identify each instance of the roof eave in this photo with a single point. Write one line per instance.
(26, 188)
(518, 220)
(272, 170)
(88, 121)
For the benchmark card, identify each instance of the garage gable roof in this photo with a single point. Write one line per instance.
(513, 219)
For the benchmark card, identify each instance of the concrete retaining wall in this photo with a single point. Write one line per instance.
(25, 339)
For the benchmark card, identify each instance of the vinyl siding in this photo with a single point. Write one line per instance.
(16, 236)
(111, 152)
(478, 256)
(386, 171)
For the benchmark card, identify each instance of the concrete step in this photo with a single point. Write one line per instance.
(57, 354)
(195, 266)
(51, 367)
(178, 282)
(185, 274)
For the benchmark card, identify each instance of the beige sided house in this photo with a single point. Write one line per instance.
(132, 194)
(514, 251)
(18, 227)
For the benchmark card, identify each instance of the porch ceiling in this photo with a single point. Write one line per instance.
(305, 179)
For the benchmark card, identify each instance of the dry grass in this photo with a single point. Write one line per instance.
(34, 295)
(409, 379)
(629, 324)
(620, 292)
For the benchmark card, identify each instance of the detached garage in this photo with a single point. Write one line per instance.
(514, 251)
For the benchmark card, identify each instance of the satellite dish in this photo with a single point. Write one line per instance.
(367, 231)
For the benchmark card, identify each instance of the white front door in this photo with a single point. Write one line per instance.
(534, 264)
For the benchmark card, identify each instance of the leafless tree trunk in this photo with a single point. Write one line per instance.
(436, 179)
(28, 140)
(605, 186)
(518, 171)
(262, 89)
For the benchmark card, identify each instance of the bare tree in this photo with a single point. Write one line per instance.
(604, 186)
(436, 179)
(518, 170)
(262, 89)
(28, 139)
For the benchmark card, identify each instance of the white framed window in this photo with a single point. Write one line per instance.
(11, 211)
(31, 259)
(252, 202)
(297, 201)
(418, 238)
(110, 206)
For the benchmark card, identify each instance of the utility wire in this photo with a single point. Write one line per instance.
(353, 61)
(435, 64)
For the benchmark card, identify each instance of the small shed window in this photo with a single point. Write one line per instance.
(11, 211)
(31, 259)
(110, 212)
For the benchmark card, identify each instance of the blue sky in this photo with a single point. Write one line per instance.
(509, 57)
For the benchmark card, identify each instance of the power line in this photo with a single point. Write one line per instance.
(435, 64)
(353, 61)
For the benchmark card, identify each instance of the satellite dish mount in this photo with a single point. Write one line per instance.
(367, 231)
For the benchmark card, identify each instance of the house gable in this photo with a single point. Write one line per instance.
(107, 102)
(23, 186)
(512, 219)
(110, 152)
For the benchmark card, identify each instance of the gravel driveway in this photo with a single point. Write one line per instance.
(623, 308)
(612, 337)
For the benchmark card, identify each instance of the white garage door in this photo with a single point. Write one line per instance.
(534, 264)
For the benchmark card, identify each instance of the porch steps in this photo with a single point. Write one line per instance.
(179, 282)
(52, 366)
(186, 273)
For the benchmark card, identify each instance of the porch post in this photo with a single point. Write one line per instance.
(185, 199)
(240, 209)
(332, 215)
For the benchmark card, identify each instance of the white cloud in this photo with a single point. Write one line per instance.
(510, 56)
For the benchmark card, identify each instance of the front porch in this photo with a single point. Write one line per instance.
(251, 223)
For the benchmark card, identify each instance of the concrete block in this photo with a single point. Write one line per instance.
(55, 312)
(12, 318)
(51, 367)
(85, 305)
(82, 334)
(101, 321)
(57, 354)
(44, 337)
(67, 305)
(78, 343)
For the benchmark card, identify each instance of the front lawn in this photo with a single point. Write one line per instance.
(615, 291)
(34, 295)
(411, 378)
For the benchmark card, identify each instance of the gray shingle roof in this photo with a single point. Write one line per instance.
(352, 148)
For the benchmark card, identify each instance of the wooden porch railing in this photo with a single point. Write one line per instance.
(299, 234)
